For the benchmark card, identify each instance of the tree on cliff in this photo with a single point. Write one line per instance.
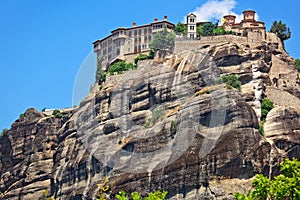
(282, 187)
(180, 28)
(297, 64)
(163, 41)
(281, 30)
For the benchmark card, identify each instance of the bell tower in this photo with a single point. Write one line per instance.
(191, 26)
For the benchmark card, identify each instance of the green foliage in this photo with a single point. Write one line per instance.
(231, 81)
(157, 195)
(199, 30)
(281, 30)
(297, 64)
(282, 187)
(163, 41)
(208, 28)
(180, 28)
(43, 109)
(266, 106)
(103, 77)
(261, 128)
(3, 132)
(99, 71)
(157, 115)
(119, 67)
(57, 113)
(21, 116)
(151, 54)
(219, 31)
(144, 57)
(173, 127)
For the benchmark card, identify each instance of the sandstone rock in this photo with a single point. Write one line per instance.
(165, 126)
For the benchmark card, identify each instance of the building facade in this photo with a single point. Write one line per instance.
(248, 24)
(126, 41)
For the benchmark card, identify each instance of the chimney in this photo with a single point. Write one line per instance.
(155, 20)
(133, 24)
(165, 18)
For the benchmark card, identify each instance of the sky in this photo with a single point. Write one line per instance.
(46, 51)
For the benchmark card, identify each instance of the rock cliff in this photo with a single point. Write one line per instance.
(168, 125)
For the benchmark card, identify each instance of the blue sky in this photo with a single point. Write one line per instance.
(45, 45)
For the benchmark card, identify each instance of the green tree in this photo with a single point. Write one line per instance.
(266, 106)
(120, 66)
(199, 30)
(231, 81)
(3, 132)
(180, 28)
(297, 64)
(285, 186)
(281, 30)
(57, 113)
(99, 72)
(208, 28)
(163, 41)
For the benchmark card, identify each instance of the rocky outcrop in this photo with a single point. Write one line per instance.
(168, 125)
(27, 154)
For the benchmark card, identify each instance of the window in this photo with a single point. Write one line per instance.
(145, 31)
(129, 34)
(140, 32)
(135, 33)
(192, 36)
(192, 28)
(192, 20)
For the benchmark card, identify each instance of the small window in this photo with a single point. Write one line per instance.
(192, 27)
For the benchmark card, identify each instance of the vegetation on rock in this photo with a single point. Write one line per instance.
(122, 195)
(231, 81)
(281, 30)
(297, 64)
(144, 57)
(57, 114)
(283, 187)
(180, 28)
(163, 41)
(266, 106)
(3, 132)
(119, 67)
(99, 72)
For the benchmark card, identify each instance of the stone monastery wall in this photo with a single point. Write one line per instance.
(183, 43)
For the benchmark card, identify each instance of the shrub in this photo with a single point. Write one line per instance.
(282, 187)
(140, 57)
(119, 67)
(43, 109)
(231, 81)
(261, 128)
(266, 106)
(57, 114)
(297, 64)
(3, 132)
(173, 127)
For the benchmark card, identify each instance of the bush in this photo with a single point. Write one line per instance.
(3, 132)
(119, 67)
(261, 128)
(266, 106)
(297, 64)
(282, 187)
(173, 127)
(140, 57)
(57, 114)
(231, 81)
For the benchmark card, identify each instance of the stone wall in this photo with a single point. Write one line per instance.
(183, 43)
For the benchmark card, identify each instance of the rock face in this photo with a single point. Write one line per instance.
(168, 125)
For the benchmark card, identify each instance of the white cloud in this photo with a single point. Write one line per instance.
(216, 9)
